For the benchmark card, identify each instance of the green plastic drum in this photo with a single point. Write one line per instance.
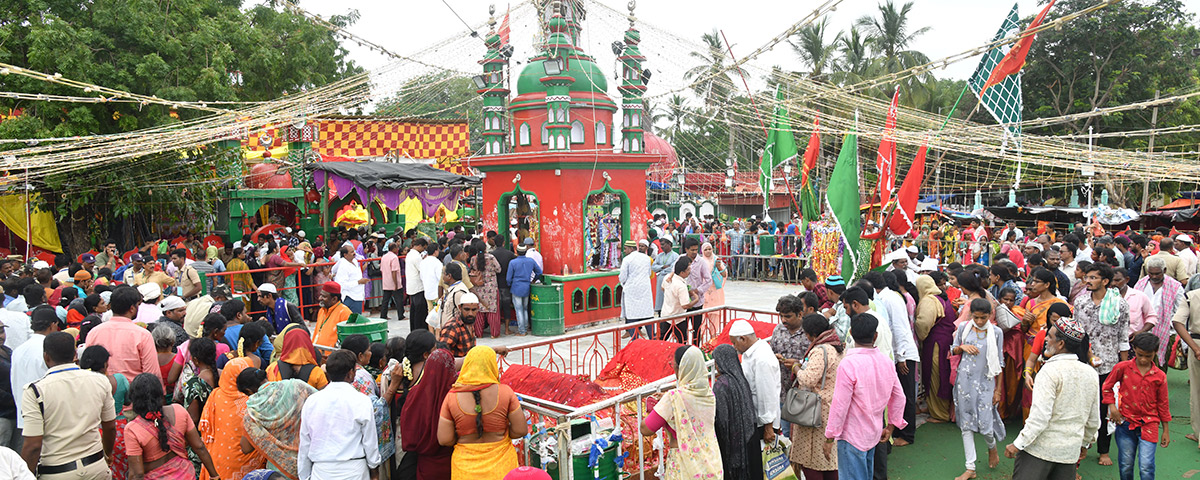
(766, 245)
(375, 329)
(547, 307)
(606, 466)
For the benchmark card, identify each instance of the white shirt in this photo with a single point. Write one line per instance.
(637, 295)
(16, 328)
(883, 339)
(762, 372)
(28, 366)
(1189, 259)
(1066, 412)
(347, 275)
(537, 257)
(1004, 234)
(1069, 269)
(412, 272)
(12, 466)
(431, 276)
(903, 344)
(337, 433)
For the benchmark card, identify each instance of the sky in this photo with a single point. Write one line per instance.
(955, 25)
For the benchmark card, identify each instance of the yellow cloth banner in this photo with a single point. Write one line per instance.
(45, 232)
(413, 214)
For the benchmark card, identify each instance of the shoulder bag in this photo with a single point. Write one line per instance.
(1177, 348)
(802, 406)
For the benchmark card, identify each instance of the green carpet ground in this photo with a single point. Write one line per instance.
(938, 452)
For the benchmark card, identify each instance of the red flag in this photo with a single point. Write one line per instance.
(886, 161)
(1012, 63)
(811, 151)
(906, 200)
(505, 29)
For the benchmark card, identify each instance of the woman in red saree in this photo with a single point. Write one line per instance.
(420, 415)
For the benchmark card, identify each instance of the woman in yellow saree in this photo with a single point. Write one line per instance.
(479, 418)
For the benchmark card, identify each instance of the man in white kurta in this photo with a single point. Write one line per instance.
(762, 372)
(637, 300)
(338, 440)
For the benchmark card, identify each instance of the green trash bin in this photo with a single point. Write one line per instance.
(375, 329)
(547, 306)
(766, 245)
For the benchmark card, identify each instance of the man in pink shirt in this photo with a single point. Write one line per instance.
(130, 347)
(866, 385)
(393, 273)
(1143, 316)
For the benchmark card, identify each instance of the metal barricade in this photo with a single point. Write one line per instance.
(306, 292)
(586, 354)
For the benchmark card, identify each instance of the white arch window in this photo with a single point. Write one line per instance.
(637, 119)
(636, 146)
(601, 133)
(545, 134)
(577, 132)
(524, 134)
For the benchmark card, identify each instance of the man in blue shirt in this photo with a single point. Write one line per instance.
(521, 273)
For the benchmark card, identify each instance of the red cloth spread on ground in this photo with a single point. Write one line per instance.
(639, 363)
(762, 329)
(573, 390)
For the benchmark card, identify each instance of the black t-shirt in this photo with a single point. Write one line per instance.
(503, 256)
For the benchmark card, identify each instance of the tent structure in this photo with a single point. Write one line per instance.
(401, 187)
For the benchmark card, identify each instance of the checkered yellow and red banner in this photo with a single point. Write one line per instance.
(377, 138)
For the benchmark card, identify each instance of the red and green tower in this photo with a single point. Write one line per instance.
(633, 85)
(495, 96)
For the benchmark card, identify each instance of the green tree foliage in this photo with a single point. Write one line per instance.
(812, 48)
(1116, 56)
(890, 37)
(456, 98)
(191, 50)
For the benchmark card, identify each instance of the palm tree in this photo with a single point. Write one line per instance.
(890, 39)
(811, 47)
(675, 115)
(713, 80)
(855, 64)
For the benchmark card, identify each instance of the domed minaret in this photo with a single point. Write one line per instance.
(495, 96)
(569, 186)
(633, 85)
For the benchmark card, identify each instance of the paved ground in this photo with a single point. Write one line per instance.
(757, 295)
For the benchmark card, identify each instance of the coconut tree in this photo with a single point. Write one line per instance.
(891, 38)
(854, 63)
(810, 45)
(712, 79)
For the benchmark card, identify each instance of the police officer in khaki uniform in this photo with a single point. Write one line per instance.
(69, 418)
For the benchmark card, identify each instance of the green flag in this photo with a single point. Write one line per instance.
(842, 197)
(781, 145)
(1003, 100)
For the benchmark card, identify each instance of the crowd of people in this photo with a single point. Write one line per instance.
(214, 368)
(176, 363)
(1067, 336)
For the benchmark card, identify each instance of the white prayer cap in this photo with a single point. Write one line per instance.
(739, 328)
(468, 298)
(929, 265)
(171, 303)
(912, 249)
(150, 291)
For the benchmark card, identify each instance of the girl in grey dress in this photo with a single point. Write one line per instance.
(979, 344)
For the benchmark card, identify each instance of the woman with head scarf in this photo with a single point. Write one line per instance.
(735, 422)
(715, 296)
(817, 373)
(222, 428)
(157, 440)
(935, 330)
(419, 419)
(297, 360)
(481, 439)
(272, 423)
(689, 412)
